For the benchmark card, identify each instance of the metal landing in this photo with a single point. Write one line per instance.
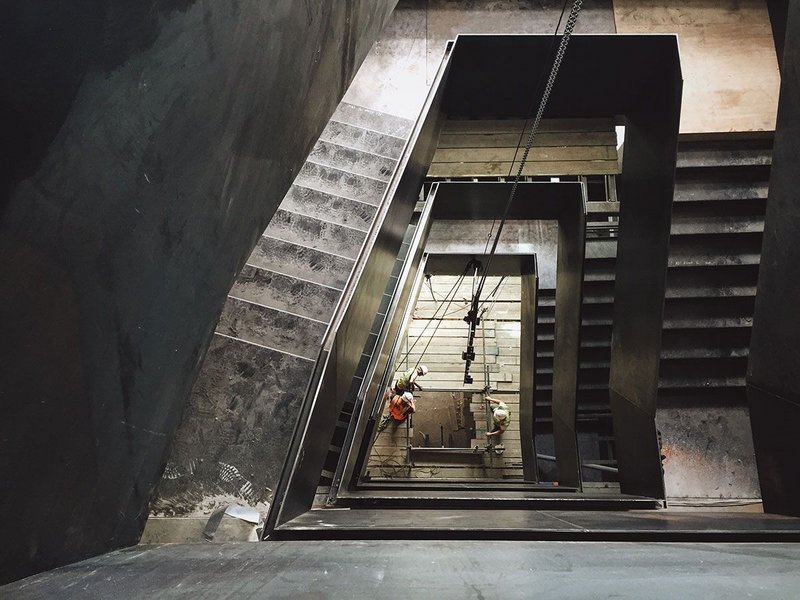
(550, 525)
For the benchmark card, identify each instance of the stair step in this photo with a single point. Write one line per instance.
(352, 160)
(716, 224)
(335, 209)
(271, 328)
(302, 262)
(359, 138)
(710, 158)
(315, 233)
(341, 183)
(692, 191)
(373, 120)
(286, 293)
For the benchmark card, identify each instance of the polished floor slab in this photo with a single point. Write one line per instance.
(433, 569)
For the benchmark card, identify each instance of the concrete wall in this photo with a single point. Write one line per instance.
(145, 146)
(728, 59)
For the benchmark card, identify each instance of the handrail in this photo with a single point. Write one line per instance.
(369, 387)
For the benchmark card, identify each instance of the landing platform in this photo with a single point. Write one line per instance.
(563, 525)
(433, 569)
(543, 498)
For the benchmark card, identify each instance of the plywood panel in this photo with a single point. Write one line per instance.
(730, 70)
(493, 148)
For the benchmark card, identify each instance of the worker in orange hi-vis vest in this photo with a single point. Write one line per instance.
(400, 406)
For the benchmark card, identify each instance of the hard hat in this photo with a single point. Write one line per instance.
(424, 369)
(499, 415)
(408, 396)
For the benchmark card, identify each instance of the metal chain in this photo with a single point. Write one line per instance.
(562, 48)
(551, 80)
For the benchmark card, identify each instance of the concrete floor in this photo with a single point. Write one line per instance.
(399, 569)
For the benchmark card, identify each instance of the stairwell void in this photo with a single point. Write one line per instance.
(478, 80)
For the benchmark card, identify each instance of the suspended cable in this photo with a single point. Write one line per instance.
(472, 315)
(538, 89)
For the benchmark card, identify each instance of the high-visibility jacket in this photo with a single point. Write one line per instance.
(398, 408)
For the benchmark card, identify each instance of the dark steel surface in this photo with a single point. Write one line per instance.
(362, 422)
(579, 524)
(567, 343)
(350, 328)
(426, 569)
(529, 287)
(485, 80)
(453, 264)
(145, 147)
(486, 200)
(645, 193)
(773, 373)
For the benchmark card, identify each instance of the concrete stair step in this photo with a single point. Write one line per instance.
(286, 293)
(359, 138)
(315, 233)
(694, 190)
(299, 261)
(712, 158)
(271, 328)
(334, 209)
(342, 183)
(373, 120)
(352, 160)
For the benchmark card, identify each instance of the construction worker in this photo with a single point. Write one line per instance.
(407, 382)
(399, 408)
(501, 416)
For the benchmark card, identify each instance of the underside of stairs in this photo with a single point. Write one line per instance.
(270, 332)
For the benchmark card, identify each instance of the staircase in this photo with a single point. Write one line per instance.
(715, 242)
(270, 331)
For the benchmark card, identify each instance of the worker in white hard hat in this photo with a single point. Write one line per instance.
(501, 416)
(400, 406)
(407, 382)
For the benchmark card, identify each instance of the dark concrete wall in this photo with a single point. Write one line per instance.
(145, 146)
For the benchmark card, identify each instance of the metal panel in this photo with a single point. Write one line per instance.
(567, 343)
(362, 423)
(527, 365)
(645, 192)
(773, 377)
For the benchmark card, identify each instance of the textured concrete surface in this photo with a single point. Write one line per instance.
(404, 569)
(145, 147)
(709, 452)
(397, 72)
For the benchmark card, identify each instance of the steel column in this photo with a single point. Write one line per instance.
(527, 365)
(773, 377)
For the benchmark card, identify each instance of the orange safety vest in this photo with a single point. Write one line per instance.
(398, 408)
